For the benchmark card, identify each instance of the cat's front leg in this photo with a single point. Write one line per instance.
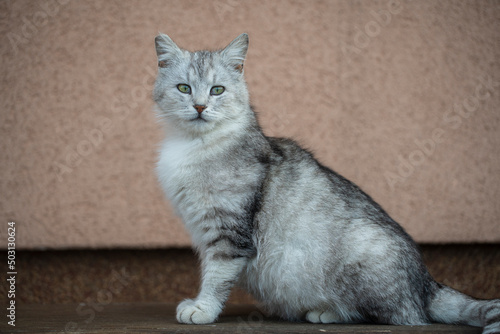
(219, 275)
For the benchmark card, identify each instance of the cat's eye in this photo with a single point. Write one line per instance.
(217, 90)
(183, 88)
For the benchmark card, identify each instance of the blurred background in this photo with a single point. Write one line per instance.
(402, 97)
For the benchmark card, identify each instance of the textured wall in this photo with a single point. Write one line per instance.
(399, 96)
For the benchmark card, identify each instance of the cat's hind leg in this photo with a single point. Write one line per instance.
(323, 317)
(333, 317)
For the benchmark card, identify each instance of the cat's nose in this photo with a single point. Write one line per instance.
(199, 108)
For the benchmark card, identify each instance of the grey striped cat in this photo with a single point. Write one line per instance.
(265, 214)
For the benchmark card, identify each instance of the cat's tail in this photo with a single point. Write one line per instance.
(452, 307)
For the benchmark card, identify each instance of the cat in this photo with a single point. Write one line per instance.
(263, 213)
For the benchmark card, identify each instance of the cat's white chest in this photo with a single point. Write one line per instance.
(194, 180)
(180, 168)
(204, 180)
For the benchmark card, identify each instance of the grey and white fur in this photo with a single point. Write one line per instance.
(265, 214)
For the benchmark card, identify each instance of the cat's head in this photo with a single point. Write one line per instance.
(200, 91)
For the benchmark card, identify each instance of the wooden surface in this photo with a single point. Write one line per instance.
(160, 318)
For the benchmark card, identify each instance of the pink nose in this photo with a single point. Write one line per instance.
(199, 108)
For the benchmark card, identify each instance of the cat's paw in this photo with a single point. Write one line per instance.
(192, 312)
(322, 317)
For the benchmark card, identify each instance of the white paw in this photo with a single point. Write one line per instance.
(322, 317)
(192, 312)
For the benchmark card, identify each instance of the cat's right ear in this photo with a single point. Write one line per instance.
(236, 52)
(166, 50)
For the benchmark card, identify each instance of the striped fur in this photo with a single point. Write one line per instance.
(265, 214)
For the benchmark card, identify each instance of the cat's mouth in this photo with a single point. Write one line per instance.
(198, 118)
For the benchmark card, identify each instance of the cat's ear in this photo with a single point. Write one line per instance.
(166, 50)
(236, 52)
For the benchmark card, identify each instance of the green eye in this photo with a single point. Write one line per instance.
(217, 90)
(183, 88)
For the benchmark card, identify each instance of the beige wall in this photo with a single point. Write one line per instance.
(376, 88)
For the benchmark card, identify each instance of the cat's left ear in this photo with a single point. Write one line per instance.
(166, 50)
(236, 52)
